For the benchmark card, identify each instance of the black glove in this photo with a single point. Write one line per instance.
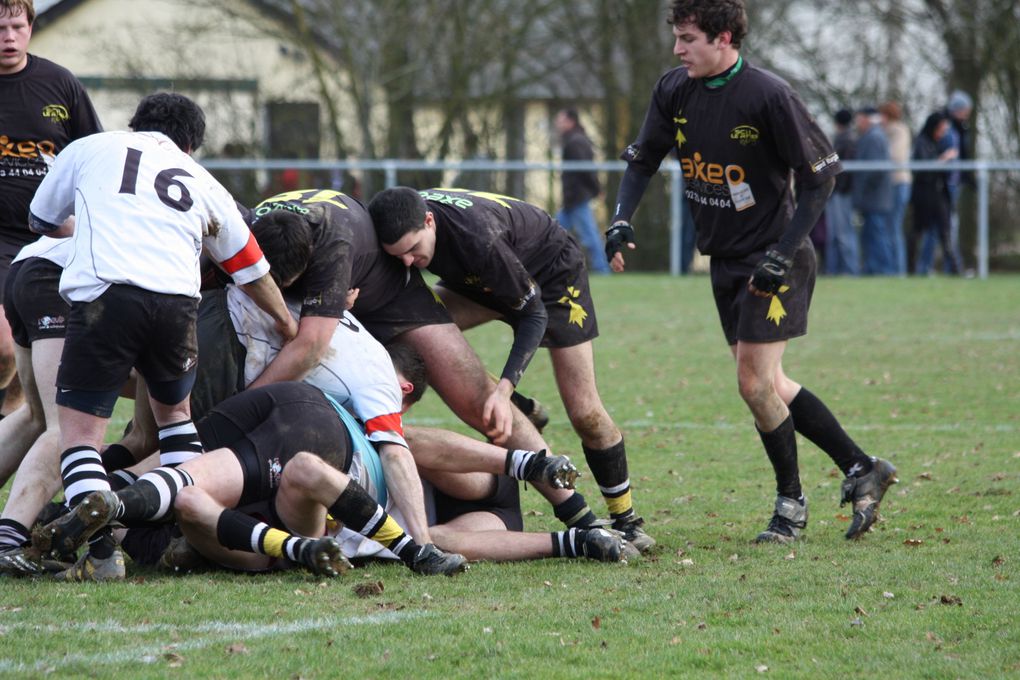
(770, 274)
(619, 234)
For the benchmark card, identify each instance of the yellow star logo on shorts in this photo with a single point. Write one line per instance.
(776, 311)
(577, 313)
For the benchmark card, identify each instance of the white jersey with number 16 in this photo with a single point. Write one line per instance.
(143, 210)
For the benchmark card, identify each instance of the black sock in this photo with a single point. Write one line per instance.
(525, 404)
(781, 447)
(358, 511)
(102, 544)
(122, 478)
(574, 512)
(152, 496)
(567, 543)
(814, 420)
(117, 457)
(238, 531)
(13, 534)
(519, 463)
(609, 468)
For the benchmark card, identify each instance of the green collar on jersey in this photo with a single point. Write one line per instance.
(715, 82)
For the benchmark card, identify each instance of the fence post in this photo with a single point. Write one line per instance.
(391, 174)
(982, 244)
(675, 220)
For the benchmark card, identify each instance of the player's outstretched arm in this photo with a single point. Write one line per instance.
(299, 356)
(404, 484)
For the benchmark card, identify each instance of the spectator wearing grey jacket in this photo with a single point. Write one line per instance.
(873, 195)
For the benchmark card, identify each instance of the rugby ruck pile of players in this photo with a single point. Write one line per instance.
(271, 351)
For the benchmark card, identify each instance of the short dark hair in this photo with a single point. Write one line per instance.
(713, 17)
(286, 241)
(396, 212)
(410, 365)
(174, 115)
(571, 114)
(12, 8)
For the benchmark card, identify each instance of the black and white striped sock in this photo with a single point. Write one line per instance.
(82, 471)
(178, 443)
(152, 496)
(13, 534)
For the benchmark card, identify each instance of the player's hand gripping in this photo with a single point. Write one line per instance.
(620, 233)
(497, 414)
(770, 274)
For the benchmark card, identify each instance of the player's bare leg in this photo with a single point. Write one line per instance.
(758, 365)
(443, 450)
(458, 376)
(307, 479)
(12, 397)
(601, 439)
(468, 314)
(38, 477)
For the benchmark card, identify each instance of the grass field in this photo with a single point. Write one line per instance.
(923, 372)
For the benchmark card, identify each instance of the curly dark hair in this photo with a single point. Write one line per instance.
(395, 212)
(712, 16)
(174, 115)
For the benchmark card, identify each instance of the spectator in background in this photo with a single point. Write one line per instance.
(873, 195)
(841, 252)
(958, 110)
(44, 108)
(899, 151)
(579, 188)
(930, 197)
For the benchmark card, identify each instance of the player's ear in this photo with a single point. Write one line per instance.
(406, 387)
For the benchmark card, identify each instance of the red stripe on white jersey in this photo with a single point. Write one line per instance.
(391, 422)
(246, 257)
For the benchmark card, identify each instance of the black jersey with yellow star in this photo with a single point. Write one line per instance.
(738, 146)
(503, 248)
(345, 254)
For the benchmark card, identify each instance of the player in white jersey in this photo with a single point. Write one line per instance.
(144, 212)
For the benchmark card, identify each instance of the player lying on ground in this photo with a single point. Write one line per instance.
(253, 438)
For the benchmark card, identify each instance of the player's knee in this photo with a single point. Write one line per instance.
(590, 423)
(303, 471)
(754, 390)
(189, 503)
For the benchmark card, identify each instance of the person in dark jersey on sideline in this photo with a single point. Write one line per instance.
(740, 133)
(44, 109)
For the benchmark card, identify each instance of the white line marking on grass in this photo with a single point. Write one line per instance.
(644, 423)
(209, 633)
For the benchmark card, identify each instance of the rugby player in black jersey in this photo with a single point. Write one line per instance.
(741, 133)
(44, 109)
(501, 258)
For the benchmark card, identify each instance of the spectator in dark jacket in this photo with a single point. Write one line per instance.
(930, 196)
(842, 255)
(579, 188)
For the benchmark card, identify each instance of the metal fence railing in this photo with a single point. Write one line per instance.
(391, 169)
